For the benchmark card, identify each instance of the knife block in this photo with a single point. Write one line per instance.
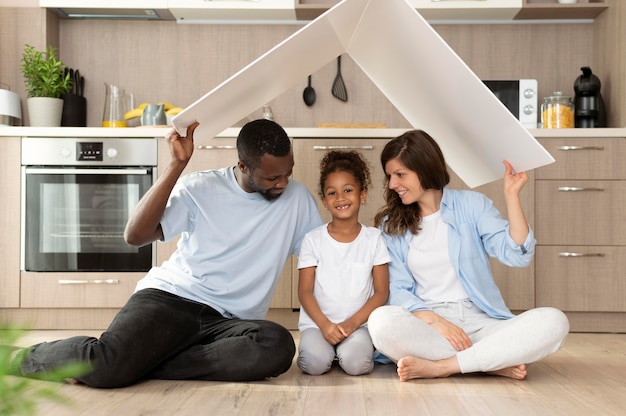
(74, 111)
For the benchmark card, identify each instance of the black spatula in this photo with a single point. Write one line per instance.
(339, 87)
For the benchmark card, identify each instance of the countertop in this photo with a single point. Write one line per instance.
(296, 132)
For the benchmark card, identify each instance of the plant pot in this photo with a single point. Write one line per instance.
(44, 111)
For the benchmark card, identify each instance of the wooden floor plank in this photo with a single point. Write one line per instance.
(587, 376)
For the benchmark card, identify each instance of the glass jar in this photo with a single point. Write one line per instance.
(557, 112)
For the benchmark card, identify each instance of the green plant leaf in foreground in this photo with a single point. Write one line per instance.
(20, 395)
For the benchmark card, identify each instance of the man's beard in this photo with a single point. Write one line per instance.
(264, 192)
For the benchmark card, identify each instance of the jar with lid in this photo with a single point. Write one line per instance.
(557, 112)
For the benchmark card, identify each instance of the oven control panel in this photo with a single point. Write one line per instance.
(91, 151)
(78, 151)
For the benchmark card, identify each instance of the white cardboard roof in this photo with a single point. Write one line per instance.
(409, 62)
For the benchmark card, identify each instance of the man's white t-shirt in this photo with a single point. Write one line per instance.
(233, 244)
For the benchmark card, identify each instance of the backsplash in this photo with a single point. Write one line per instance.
(163, 61)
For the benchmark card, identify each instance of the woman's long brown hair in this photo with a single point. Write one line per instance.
(420, 153)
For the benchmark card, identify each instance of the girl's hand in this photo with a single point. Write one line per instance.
(347, 327)
(332, 333)
(455, 335)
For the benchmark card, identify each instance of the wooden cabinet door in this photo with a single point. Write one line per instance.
(10, 222)
(580, 158)
(214, 154)
(581, 212)
(582, 278)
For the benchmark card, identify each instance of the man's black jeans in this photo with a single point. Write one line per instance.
(161, 335)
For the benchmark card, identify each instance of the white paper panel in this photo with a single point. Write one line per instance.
(410, 63)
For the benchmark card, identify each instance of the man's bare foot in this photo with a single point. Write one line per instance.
(413, 367)
(517, 372)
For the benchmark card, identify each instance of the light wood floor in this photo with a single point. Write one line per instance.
(586, 377)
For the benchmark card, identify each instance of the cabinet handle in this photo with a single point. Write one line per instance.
(579, 189)
(569, 254)
(209, 147)
(90, 281)
(566, 148)
(343, 147)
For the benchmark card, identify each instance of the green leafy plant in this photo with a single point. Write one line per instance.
(43, 73)
(19, 395)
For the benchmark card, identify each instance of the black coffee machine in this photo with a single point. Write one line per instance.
(589, 107)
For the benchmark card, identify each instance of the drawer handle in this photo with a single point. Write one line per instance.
(569, 254)
(566, 148)
(579, 189)
(343, 147)
(208, 147)
(90, 281)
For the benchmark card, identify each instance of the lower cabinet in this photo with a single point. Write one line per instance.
(10, 222)
(575, 206)
(581, 231)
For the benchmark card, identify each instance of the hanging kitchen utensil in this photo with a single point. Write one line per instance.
(339, 87)
(308, 95)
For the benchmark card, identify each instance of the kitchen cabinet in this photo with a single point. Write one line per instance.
(480, 10)
(10, 222)
(430, 9)
(550, 9)
(581, 232)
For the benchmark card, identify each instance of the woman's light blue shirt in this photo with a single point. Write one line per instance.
(476, 231)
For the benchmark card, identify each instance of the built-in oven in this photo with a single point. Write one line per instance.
(77, 195)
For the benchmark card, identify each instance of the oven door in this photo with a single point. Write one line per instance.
(73, 219)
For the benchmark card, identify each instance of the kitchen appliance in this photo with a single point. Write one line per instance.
(10, 108)
(588, 103)
(519, 96)
(77, 195)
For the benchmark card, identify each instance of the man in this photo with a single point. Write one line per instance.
(200, 314)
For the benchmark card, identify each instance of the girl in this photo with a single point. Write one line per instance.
(446, 314)
(343, 273)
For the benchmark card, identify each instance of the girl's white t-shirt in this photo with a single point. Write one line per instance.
(343, 274)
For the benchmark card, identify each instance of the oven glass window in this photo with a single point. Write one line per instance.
(75, 222)
(85, 218)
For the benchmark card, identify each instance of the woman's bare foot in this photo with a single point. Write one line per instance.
(413, 367)
(517, 372)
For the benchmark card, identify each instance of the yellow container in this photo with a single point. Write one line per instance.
(557, 112)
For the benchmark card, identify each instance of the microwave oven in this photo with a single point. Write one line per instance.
(519, 96)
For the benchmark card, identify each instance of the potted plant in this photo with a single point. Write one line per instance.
(45, 84)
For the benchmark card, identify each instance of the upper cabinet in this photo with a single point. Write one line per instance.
(184, 11)
(194, 11)
(110, 9)
(279, 11)
(550, 9)
(467, 9)
(478, 10)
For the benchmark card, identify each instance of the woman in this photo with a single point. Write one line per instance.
(445, 313)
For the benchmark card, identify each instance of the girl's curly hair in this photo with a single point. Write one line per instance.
(344, 161)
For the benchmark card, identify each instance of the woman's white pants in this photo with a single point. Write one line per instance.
(497, 343)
